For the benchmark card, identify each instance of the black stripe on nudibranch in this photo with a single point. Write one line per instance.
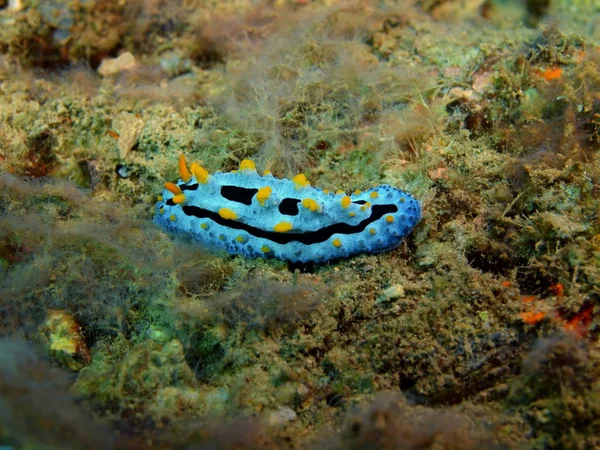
(289, 206)
(359, 202)
(238, 194)
(308, 238)
(191, 187)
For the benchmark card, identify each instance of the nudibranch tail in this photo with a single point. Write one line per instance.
(254, 215)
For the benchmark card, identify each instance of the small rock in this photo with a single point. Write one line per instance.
(392, 292)
(113, 66)
(283, 415)
(123, 171)
(66, 342)
(302, 390)
(482, 81)
(91, 173)
(14, 5)
(129, 127)
(159, 333)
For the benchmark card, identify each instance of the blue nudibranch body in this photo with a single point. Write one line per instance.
(248, 214)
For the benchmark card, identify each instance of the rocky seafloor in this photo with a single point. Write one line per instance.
(479, 331)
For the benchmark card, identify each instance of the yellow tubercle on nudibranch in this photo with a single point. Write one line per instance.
(336, 242)
(300, 180)
(227, 213)
(204, 226)
(200, 173)
(266, 172)
(263, 194)
(184, 173)
(247, 164)
(373, 194)
(240, 239)
(282, 227)
(265, 249)
(310, 204)
(345, 202)
(179, 199)
(389, 219)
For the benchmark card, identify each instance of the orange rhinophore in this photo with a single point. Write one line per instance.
(184, 173)
(173, 188)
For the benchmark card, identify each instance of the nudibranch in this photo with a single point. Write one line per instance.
(254, 215)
